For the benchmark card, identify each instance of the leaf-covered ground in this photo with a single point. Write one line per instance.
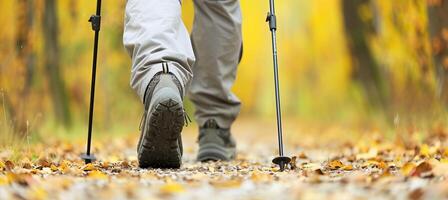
(330, 163)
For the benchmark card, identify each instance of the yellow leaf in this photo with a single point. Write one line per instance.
(407, 169)
(258, 176)
(3, 180)
(2, 165)
(38, 193)
(424, 150)
(377, 164)
(172, 188)
(347, 167)
(95, 174)
(335, 164)
(234, 183)
(89, 167)
(53, 168)
(63, 167)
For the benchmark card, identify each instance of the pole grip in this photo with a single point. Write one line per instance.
(272, 19)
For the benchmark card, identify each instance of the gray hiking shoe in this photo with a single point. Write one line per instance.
(160, 143)
(215, 143)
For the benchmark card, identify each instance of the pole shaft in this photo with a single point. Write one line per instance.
(273, 28)
(92, 84)
(277, 94)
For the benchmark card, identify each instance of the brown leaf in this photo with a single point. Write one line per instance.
(293, 163)
(422, 170)
(416, 194)
(105, 165)
(319, 172)
(9, 165)
(125, 164)
(43, 163)
(303, 156)
(26, 164)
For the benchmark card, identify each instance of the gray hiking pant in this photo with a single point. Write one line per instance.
(205, 65)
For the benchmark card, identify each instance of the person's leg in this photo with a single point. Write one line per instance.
(162, 56)
(217, 40)
(153, 34)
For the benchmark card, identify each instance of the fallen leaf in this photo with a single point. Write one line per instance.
(258, 176)
(347, 167)
(38, 193)
(2, 165)
(89, 167)
(105, 165)
(64, 167)
(293, 162)
(9, 165)
(125, 164)
(376, 164)
(26, 165)
(422, 170)
(424, 150)
(172, 188)
(335, 164)
(53, 168)
(407, 168)
(3, 180)
(416, 194)
(319, 172)
(43, 163)
(95, 174)
(233, 183)
(303, 156)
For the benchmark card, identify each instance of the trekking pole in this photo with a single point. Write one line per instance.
(95, 21)
(281, 160)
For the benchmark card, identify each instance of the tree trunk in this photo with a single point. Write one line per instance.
(52, 65)
(438, 27)
(25, 63)
(365, 68)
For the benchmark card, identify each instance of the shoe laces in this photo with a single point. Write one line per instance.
(186, 118)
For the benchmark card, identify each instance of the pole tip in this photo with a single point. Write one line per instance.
(281, 161)
(88, 158)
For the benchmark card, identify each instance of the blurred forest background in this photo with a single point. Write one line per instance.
(341, 61)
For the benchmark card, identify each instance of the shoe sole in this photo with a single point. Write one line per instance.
(215, 152)
(160, 146)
